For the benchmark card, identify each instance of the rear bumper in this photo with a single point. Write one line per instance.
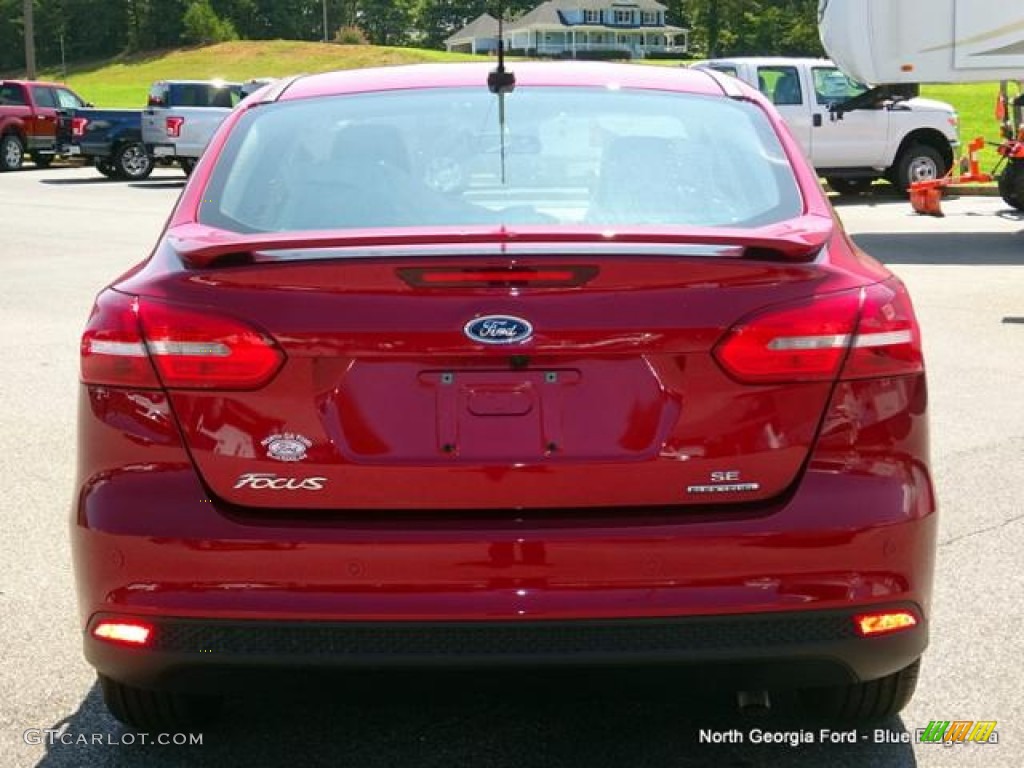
(774, 650)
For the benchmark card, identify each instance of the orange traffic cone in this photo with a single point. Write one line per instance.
(926, 198)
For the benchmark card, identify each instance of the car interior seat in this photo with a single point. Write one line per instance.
(363, 182)
(640, 182)
(787, 90)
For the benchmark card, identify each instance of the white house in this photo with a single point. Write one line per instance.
(635, 28)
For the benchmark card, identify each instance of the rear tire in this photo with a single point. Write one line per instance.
(864, 702)
(42, 161)
(162, 711)
(132, 162)
(918, 162)
(187, 164)
(1011, 184)
(12, 152)
(845, 186)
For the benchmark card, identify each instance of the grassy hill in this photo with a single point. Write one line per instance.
(125, 81)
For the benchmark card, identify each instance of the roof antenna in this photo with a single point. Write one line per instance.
(500, 81)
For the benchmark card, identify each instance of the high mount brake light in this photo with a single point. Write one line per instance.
(498, 277)
(139, 342)
(872, 329)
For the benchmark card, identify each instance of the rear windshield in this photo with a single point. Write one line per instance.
(439, 157)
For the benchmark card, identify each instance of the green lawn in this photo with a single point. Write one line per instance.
(976, 104)
(124, 82)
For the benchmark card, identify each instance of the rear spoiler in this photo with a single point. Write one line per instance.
(796, 240)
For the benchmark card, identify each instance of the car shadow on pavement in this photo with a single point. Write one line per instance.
(497, 720)
(77, 182)
(967, 248)
(158, 184)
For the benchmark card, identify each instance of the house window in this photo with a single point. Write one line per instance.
(623, 17)
(592, 17)
(650, 17)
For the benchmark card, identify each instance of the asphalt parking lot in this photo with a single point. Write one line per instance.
(66, 232)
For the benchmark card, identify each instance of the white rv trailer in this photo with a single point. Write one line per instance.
(924, 41)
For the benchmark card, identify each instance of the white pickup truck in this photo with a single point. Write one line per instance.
(183, 115)
(852, 135)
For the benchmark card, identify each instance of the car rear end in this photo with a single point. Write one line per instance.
(350, 416)
(181, 118)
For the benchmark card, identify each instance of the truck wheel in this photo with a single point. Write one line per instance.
(12, 152)
(132, 162)
(863, 702)
(163, 711)
(42, 161)
(1011, 184)
(845, 186)
(187, 164)
(918, 162)
(107, 169)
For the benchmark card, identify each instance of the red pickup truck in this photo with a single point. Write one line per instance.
(28, 120)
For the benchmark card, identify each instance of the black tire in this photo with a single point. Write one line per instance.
(107, 169)
(1011, 184)
(42, 161)
(187, 164)
(863, 702)
(132, 162)
(12, 152)
(918, 162)
(845, 186)
(162, 711)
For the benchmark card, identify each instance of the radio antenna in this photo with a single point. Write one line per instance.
(500, 82)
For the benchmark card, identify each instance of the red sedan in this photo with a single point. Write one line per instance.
(568, 365)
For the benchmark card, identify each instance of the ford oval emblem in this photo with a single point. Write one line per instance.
(498, 329)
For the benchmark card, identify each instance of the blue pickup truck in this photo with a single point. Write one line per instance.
(110, 138)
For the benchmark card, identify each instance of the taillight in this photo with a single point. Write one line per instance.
(78, 126)
(127, 337)
(113, 351)
(173, 126)
(873, 329)
(888, 340)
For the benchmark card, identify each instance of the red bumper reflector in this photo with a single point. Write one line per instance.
(871, 624)
(126, 632)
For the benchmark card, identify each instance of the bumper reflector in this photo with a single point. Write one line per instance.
(127, 632)
(871, 624)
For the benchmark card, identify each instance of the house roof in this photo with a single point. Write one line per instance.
(483, 25)
(546, 13)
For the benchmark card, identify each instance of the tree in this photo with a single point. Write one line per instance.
(203, 25)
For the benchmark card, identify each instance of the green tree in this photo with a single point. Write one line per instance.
(203, 25)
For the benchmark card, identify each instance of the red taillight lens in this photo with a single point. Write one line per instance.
(128, 337)
(883, 623)
(126, 632)
(873, 329)
(113, 351)
(888, 340)
(78, 126)
(798, 342)
(173, 125)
